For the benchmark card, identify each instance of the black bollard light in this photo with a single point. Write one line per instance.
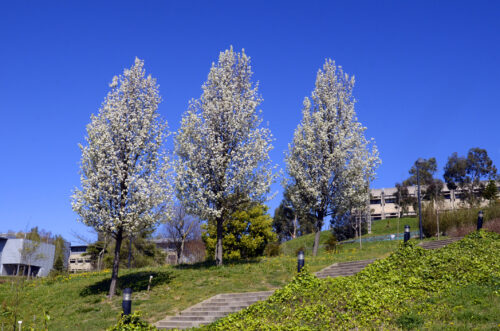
(480, 220)
(127, 301)
(300, 261)
(407, 233)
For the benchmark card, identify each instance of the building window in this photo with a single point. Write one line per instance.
(391, 200)
(72, 261)
(374, 202)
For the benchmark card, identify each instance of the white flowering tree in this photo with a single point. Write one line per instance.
(330, 162)
(125, 176)
(222, 150)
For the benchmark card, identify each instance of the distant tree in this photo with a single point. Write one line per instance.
(427, 169)
(143, 252)
(125, 183)
(222, 149)
(403, 199)
(245, 235)
(467, 173)
(59, 264)
(181, 228)
(330, 162)
(285, 223)
(491, 191)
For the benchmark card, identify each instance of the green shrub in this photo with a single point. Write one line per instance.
(131, 322)
(272, 249)
(332, 244)
(410, 321)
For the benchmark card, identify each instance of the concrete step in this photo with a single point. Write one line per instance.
(438, 243)
(176, 325)
(343, 269)
(230, 295)
(236, 299)
(212, 309)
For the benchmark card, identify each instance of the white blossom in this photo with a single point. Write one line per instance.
(222, 150)
(125, 173)
(330, 162)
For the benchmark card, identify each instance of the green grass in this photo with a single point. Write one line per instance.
(379, 228)
(79, 301)
(456, 287)
(390, 226)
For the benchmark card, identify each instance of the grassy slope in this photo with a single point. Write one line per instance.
(79, 301)
(176, 288)
(379, 228)
(455, 287)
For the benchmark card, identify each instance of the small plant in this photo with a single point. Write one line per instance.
(332, 245)
(132, 322)
(272, 249)
(410, 321)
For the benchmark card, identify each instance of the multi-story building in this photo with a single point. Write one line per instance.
(383, 201)
(78, 262)
(24, 257)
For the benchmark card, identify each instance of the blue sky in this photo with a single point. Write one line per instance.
(427, 79)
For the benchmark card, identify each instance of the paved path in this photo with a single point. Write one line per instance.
(221, 305)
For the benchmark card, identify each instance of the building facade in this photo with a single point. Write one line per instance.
(78, 261)
(25, 257)
(383, 202)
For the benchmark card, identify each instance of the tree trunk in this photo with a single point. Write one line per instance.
(294, 235)
(319, 225)
(218, 247)
(116, 263)
(181, 250)
(129, 253)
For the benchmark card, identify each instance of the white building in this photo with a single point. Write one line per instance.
(383, 201)
(78, 262)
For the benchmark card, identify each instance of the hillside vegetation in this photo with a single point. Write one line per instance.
(79, 301)
(457, 286)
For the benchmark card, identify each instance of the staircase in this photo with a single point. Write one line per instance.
(438, 243)
(343, 269)
(212, 309)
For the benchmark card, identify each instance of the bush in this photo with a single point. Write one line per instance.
(132, 322)
(332, 244)
(272, 249)
(455, 219)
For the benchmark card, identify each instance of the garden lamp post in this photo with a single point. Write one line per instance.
(127, 301)
(407, 233)
(300, 261)
(480, 220)
(419, 161)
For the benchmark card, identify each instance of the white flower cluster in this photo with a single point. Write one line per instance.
(126, 182)
(222, 151)
(330, 163)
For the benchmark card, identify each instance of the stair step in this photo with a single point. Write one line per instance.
(212, 309)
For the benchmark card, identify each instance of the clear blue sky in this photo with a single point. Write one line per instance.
(427, 79)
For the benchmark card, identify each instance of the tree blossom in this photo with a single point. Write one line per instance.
(125, 176)
(330, 163)
(222, 151)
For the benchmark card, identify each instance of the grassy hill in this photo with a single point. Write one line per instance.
(455, 287)
(79, 301)
(379, 228)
